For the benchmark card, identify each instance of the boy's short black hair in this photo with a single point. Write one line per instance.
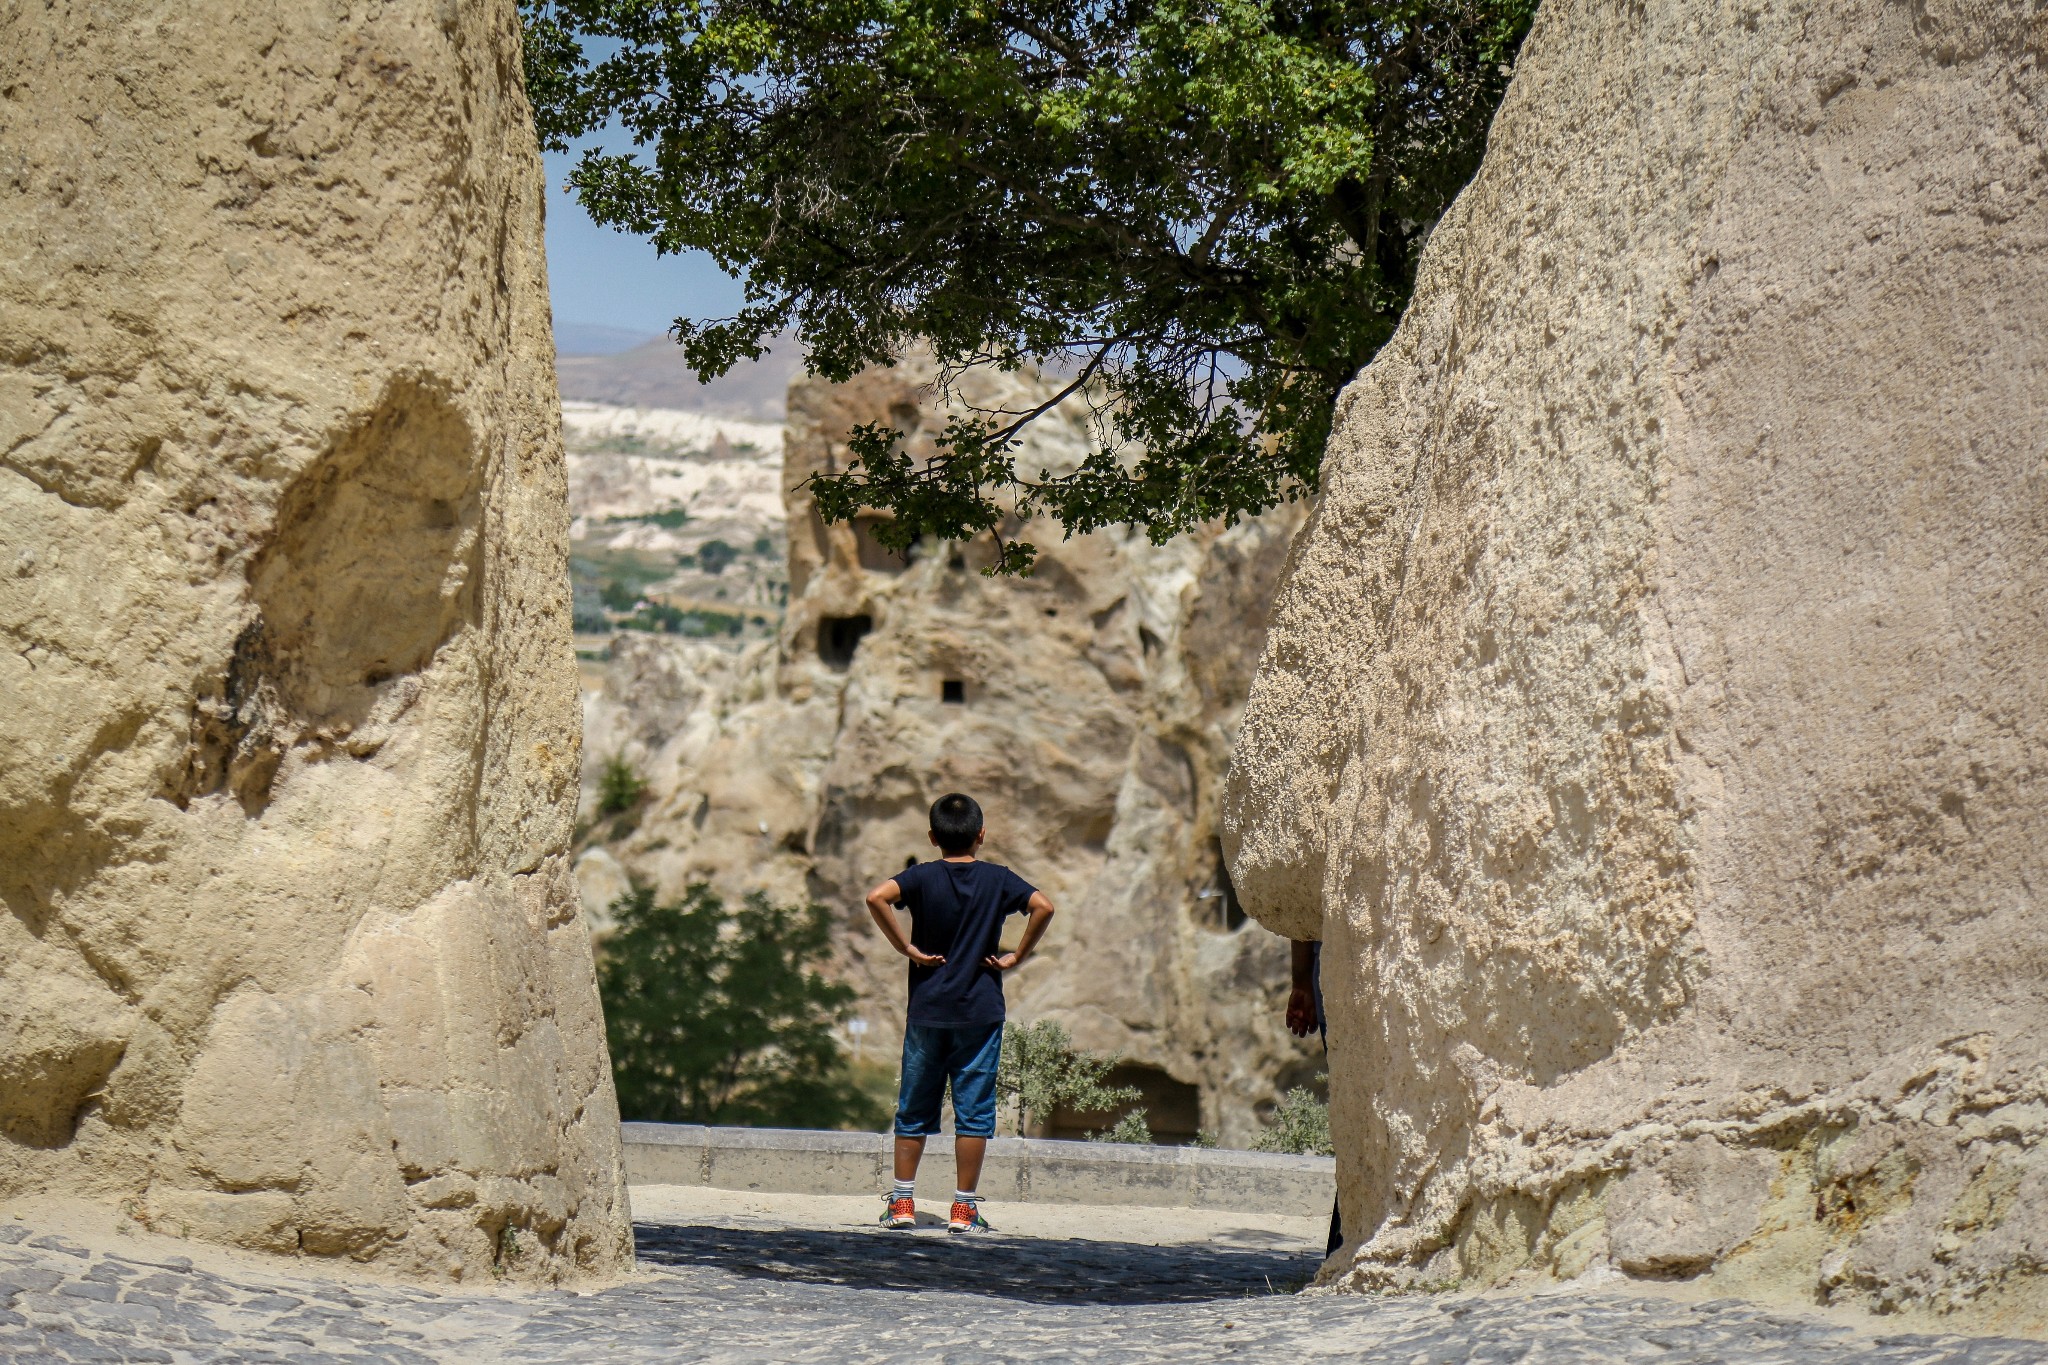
(956, 820)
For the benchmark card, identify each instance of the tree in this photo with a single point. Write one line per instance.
(619, 786)
(714, 556)
(719, 1016)
(1042, 1070)
(1205, 215)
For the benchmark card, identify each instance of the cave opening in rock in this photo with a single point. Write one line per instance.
(1173, 1108)
(953, 692)
(840, 636)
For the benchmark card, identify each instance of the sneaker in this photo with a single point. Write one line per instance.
(901, 1213)
(967, 1218)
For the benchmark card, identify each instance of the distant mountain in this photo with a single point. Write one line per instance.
(584, 338)
(653, 375)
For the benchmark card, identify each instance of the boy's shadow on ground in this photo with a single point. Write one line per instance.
(1035, 1270)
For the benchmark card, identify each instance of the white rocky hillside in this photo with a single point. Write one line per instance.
(678, 522)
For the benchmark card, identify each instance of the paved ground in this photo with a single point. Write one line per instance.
(766, 1278)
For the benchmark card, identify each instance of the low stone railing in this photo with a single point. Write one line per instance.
(1027, 1170)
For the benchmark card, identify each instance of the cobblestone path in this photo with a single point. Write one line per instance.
(733, 1290)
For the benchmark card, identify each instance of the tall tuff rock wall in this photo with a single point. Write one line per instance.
(1655, 714)
(290, 954)
(1099, 698)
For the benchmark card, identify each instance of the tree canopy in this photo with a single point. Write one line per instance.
(1203, 216)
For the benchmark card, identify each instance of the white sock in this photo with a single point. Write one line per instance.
(905, 1189)
(966, 1197)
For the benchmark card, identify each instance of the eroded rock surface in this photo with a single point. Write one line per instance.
(1093, 709)
(291, 956)
(1653, 719)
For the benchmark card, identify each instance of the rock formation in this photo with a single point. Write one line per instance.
(291, 955)
(1653, 719)
(1090, 708)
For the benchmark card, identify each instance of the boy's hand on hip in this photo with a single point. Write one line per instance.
(924, 959)
(1002, 962)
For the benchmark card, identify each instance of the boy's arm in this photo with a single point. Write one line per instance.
(1040, 908)
(882, 905)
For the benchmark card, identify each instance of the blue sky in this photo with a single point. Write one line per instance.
(609, 279)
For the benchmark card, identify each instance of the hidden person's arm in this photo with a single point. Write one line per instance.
(1302, 1018)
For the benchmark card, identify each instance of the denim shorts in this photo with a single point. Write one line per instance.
(967, 1057)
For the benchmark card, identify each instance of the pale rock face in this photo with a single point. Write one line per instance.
(1652, 719)
(291, 955)
(1098, 702)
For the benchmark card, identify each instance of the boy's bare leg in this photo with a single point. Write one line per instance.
(967, 1155)
(910, 1151)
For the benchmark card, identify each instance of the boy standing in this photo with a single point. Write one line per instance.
(954, 1028)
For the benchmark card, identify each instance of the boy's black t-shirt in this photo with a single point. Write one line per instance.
(957, 912)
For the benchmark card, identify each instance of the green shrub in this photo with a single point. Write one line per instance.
(718, 1015)
(1130, 1128)
(1043, 1070)
(695, 623)
(658, 616)
(619, 786)
(1301, 1125)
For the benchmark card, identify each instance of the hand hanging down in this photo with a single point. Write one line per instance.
(1303, 1018)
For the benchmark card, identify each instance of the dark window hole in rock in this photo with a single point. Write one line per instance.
(840, 636)
(953, 692)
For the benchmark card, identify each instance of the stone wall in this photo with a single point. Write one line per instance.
(1096, 704)
(1653, 720)
(291, 956)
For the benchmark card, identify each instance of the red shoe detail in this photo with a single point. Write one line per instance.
(901, 1213)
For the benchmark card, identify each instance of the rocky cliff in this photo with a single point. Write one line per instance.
(291, 955)
(1653, 719)
(1090, 708)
